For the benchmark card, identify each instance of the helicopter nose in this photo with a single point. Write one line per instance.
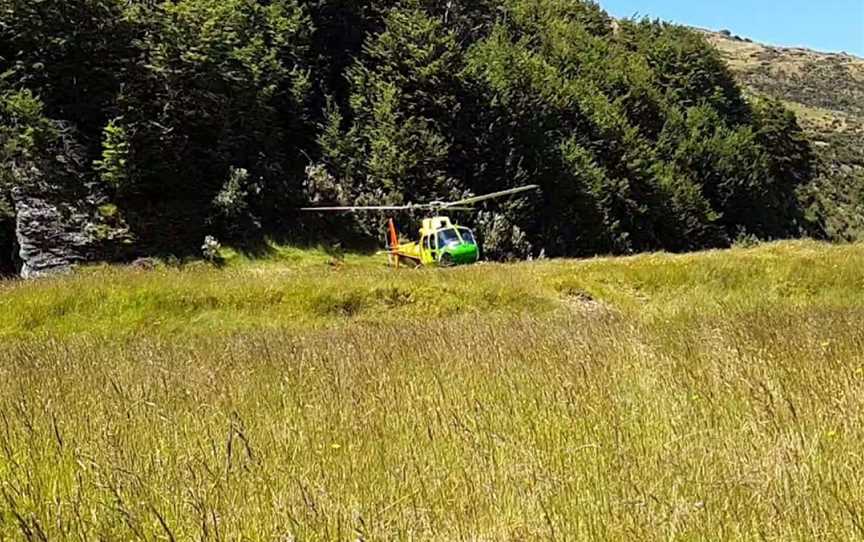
(465, 253)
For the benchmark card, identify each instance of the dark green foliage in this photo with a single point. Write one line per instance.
(220, 116)
(834, 199)
(114, 167)
(24, 130)
(233, 216)
(578, 115)
(8, 257)
(403, 102)
(74, 54)
(225, 85)
(836, 205)
(687, 69)
(790, 156)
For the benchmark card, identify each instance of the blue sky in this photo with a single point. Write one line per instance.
(826, 25)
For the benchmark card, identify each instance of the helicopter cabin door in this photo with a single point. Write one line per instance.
(429, 248)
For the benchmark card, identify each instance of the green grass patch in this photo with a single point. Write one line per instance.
(714, 396)
(296, 289)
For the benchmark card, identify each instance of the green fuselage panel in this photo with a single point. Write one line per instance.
(463, 253)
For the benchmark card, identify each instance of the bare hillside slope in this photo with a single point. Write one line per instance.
(826, 91)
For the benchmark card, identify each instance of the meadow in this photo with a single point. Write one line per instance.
(713, 396)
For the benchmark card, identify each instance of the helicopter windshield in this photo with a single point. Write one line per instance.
(447, 237)
(467, 236)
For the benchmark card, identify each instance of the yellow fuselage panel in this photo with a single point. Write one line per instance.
(411, 250)
(431, 225)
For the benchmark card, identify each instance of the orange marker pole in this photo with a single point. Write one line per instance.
(394, 241)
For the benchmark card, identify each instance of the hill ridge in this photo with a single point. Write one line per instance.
(826, 92)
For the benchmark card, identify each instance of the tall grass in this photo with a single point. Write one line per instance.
(707, 397)
(300, 293)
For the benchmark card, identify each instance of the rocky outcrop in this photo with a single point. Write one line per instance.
(63, 215)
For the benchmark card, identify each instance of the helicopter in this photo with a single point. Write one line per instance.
(442, 242)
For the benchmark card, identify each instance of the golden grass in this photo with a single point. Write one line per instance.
(816, 119)
(703, 397)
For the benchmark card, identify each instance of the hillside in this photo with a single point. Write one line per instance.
(825, 89)
(713, 396)
(826, 92)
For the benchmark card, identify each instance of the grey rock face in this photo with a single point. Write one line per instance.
(63, 216)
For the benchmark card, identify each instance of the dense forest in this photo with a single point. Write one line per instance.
(221, 117)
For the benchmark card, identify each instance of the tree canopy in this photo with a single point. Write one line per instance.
(222, 116)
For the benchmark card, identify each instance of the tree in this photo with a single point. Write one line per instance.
(402, 103)
(224, 84)
(73, 54)
(220, 116)
(689, 71)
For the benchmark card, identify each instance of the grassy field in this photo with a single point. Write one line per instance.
(715, 396)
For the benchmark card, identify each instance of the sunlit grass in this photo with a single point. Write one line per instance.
(701, 397)
(296, 291)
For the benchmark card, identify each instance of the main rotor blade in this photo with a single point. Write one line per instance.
(352, 209)
(462, 205)
(503, 193)
(429, 208)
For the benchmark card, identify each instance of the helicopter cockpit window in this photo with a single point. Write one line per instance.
(447, 237)
(467, 236)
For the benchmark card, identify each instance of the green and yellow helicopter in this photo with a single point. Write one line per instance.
(442, 242)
